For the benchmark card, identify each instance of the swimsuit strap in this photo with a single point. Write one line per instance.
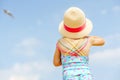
(74, 50)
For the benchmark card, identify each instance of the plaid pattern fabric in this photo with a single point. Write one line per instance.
(74, 50)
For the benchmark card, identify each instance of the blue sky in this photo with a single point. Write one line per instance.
(28, 41)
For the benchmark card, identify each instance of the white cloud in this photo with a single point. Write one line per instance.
(17, 77)
(29, 71)
(115, 36)
(27, 46)
(116, 8)
(106, 63)
(107, 57)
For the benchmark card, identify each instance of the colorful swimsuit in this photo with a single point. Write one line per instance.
(75, 67)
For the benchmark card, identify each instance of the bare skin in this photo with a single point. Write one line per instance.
(93, 41)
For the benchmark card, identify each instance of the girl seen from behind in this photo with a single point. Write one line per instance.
(72, 50)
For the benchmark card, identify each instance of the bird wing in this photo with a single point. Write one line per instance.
(8, 13)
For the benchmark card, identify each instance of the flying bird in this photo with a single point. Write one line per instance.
(8, 13)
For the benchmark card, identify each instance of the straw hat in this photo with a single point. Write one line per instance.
(75, 24)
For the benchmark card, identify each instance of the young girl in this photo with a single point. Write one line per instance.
(72, 50)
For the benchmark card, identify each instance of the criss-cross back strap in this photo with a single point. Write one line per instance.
(74, 49)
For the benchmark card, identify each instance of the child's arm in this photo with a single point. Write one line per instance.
(57, 58)
(97, 41)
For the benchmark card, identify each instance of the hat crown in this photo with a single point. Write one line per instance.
(74, 17)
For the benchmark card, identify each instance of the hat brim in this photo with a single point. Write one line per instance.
(80, 34)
